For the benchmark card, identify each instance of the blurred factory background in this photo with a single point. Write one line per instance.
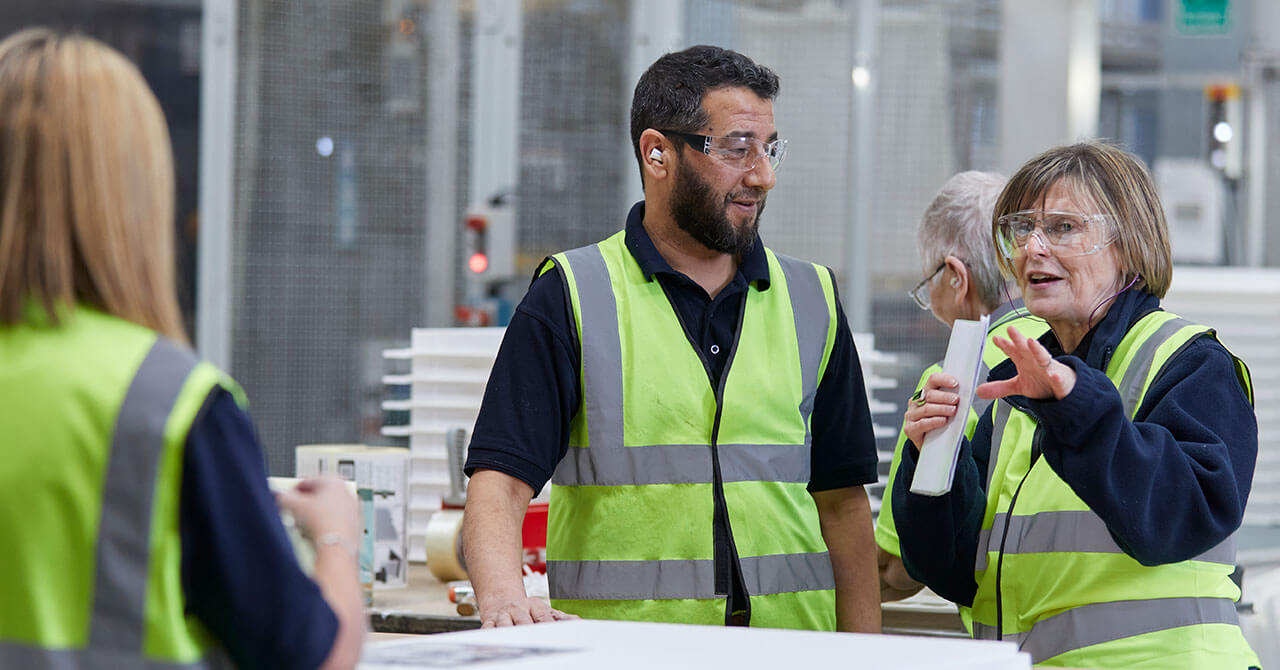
(348, 171)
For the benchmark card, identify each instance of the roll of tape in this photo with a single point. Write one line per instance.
(444, 545)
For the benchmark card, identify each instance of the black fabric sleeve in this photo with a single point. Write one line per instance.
(1172, 483)
(844, 452)
(239, 572)
(533, 391)
(938, 535)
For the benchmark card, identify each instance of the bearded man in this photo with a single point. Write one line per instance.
(695, 398)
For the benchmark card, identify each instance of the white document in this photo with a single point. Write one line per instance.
(937, 464)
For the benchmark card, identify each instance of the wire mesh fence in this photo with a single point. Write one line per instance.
(331, 230)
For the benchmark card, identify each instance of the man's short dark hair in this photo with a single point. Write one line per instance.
(669, 94)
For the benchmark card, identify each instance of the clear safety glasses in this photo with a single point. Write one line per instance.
(742, 153)
(1064, 234)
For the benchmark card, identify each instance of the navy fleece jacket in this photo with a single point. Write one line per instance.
(1170, 485)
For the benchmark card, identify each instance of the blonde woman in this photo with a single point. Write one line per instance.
(137, 524)
(1092, 515)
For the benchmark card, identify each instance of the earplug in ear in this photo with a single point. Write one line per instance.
(954, 282)
(655, 155)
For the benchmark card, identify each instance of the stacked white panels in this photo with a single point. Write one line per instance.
(448, 371)
(885, 416)
(1243, 305)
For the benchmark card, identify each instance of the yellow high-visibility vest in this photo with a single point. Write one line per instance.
(656, 453)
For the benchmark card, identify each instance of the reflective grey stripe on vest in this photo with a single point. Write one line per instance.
(13, 655)
(682, 464)
(1135, 376)
(601, 372)
(1096, 623)
(808, 302)
(998, 422)
(1072, 531)
(665, 580)
(121, 563)
(607, 462)
(979, 405)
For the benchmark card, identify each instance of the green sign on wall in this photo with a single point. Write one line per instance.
(1202, 17)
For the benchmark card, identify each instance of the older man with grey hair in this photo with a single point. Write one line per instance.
(961, 281)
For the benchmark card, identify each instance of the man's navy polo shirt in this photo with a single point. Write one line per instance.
(534, 389)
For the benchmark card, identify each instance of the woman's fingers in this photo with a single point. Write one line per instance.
(931, 407)
(917, 427)
(936, 396)
(931, 424)
(996, 389)
(941, 380)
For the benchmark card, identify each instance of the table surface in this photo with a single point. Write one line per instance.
(629, 645)
(423, 607)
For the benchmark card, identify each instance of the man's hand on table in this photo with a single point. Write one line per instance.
(520, 611)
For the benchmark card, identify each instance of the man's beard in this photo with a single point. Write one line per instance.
(698, 212)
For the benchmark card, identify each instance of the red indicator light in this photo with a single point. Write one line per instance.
(478, 262)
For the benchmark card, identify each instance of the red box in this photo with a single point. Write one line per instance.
(533, 536)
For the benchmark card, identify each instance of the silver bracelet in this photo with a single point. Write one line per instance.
(339, 540)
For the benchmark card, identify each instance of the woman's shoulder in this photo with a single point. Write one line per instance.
(1201, 368)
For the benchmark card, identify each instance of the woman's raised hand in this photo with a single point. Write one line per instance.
(1039, 375)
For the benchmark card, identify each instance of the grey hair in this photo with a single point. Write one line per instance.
(958, 223)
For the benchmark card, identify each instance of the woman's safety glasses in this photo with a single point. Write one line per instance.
(1064, 234)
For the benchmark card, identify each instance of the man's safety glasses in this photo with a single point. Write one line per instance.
(741, 153)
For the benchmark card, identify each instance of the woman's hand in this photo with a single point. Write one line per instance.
(931, 407)
(324, 506)
(1039, 375)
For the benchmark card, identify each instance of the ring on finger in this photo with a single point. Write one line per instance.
(918, 398)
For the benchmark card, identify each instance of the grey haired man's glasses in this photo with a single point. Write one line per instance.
(920, 293)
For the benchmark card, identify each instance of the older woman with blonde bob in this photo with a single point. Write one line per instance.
(1092, 514)
(137, 526)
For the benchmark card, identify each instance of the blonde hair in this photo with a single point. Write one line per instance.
(86, 185)
(1118, 184)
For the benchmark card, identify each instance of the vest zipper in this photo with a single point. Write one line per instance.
(728, 566)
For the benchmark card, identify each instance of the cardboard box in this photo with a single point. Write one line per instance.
(380, 474)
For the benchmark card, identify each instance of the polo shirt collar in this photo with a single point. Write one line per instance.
(754, 268)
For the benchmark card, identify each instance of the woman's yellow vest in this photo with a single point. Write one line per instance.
(656, 453)
(1051, 577)
(95, 415)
